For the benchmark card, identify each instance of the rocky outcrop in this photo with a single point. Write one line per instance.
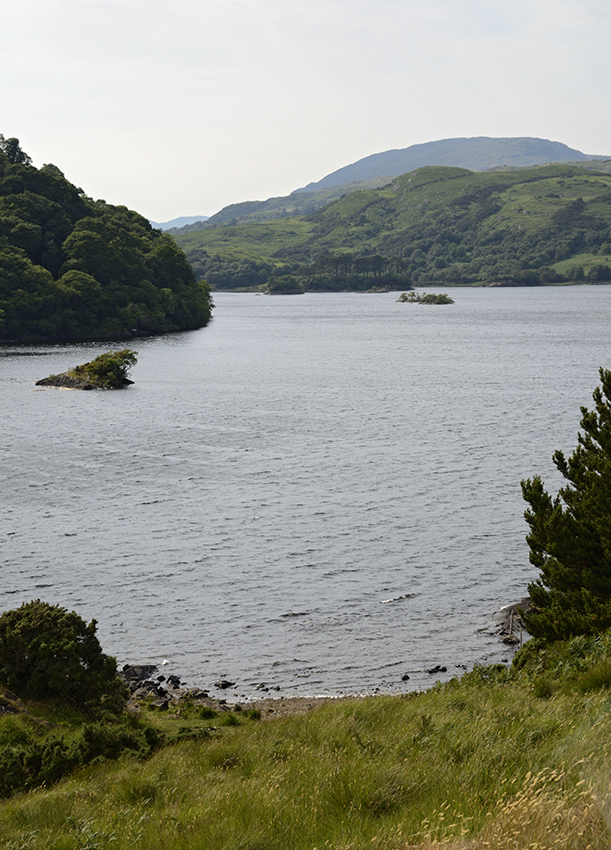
(107, 371)
(69, 381)
(10, 704)
(509, 624)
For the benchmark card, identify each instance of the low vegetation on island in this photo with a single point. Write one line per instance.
(503, 758)
(107, 371)
(425, 298)
(72, 268)
(435, 226)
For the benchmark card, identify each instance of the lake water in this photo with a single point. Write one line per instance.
(319, 493)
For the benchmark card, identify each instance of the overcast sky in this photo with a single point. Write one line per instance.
(182, 107)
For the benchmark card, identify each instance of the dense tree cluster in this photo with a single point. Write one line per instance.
(353, 271)
(229, 273)
(74, 268)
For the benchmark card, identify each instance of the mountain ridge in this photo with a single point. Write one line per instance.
(177, 223)
(479, 153)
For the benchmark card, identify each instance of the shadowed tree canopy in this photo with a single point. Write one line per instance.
(570, 534)
(75, 268)
(49, 652)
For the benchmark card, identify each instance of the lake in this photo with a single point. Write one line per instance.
(320, 493)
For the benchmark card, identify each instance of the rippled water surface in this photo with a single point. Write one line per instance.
(318, 492)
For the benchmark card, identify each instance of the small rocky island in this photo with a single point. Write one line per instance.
(428, 298)
(106, 372)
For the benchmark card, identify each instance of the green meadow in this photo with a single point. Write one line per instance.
(501, 758)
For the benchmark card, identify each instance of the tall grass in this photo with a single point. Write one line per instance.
(481, 764)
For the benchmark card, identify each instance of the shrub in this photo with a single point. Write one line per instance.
(597, 678)
(109, 369)
(544, 688)
(49, 652)
(34, 760)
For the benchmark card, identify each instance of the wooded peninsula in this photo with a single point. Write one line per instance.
(73, 268)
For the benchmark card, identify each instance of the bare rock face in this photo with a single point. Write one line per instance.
(65, 381)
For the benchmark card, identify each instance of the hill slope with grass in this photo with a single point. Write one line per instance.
(300, 202)
(433, 226)
(372, 172)
(501, 758)
(75, 268)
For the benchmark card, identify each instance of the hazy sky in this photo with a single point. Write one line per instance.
(184, 106)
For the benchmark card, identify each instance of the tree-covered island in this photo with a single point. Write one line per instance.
(72, 268)
(424, 298)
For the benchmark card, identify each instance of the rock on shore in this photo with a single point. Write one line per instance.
(67, 381)
(168, 695)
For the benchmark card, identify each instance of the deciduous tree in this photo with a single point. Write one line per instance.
(13, 152)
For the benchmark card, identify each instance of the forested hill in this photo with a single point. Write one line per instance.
(433, 226)
(75, 268)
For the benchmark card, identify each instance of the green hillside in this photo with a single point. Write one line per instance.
(300, 202)
(433, 226)
(75, 268)
(476, 154)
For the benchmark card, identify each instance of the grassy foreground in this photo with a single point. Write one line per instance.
(500, 759)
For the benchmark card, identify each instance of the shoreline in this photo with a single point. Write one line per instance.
(148, 686)
(167, 695)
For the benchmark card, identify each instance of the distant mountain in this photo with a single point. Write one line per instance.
(181, 221)
(297, 203)
(477, 154)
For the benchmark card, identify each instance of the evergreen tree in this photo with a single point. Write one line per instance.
(570, 534)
